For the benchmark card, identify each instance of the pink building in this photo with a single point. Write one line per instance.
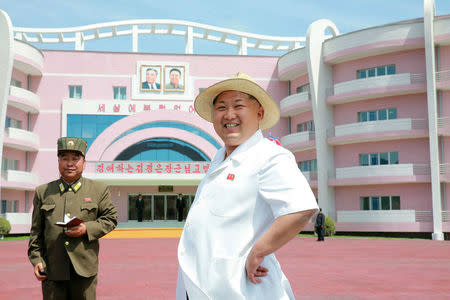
(364, 113)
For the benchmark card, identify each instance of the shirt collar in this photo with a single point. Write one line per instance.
(240, 152)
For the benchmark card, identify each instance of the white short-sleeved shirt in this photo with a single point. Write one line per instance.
(237, 201)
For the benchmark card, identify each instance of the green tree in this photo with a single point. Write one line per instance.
(5, 227)
(330, 228)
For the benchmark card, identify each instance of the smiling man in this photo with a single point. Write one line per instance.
(65, 259)
(252, 201)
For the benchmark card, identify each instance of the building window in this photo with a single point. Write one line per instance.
(307, 126)
(75, 91)
(9, 206)
(377, 71)
(377, 115)
(303, 88)
(120, 92)
(13, 123)
(380, 203)
(308, 165)
(89, 127)
(10, 164)
(382, 158)
(16, 83)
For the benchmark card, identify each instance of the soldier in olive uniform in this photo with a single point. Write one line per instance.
(65, 259)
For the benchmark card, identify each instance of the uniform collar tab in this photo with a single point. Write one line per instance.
(65, 186)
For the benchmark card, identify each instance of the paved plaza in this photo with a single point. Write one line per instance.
(339, 268)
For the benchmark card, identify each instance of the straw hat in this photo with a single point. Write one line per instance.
(243, 83)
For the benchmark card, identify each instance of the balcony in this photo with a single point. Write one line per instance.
(24, 100)
(295, 104)
(388, 220)
(21, 139)
(377, 131)
(299, 141)
(443, 80)
(374, 41)
(443, 126)
(28, 59)
(370, 216)
(444, 170)
(381, 174)
(19, 180)
(375, 87)
(442, 30)
(20, 222)
(292, 65)
(136, 173)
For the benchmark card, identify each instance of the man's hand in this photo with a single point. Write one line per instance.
(39, 272)
(76, 231)
(253, 268)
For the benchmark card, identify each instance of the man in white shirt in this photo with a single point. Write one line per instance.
(252, 201)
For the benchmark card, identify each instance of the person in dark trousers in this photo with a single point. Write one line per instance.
(320, 222)
(140, 207)
(180, 207)
(65, 259)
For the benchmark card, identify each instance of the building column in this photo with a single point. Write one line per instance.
(189, 43)
(320, 79)
(428, 23)
(6, 66)
(135, 38)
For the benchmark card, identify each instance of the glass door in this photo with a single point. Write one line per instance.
(159, 207)
(132, 211)
(171, 207)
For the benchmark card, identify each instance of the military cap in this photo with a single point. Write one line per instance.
(72, 144)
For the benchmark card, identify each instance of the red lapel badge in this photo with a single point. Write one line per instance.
(87, 200)
(230, 176)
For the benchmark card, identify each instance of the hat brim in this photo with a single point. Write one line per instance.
(71, 150)
(204, 101)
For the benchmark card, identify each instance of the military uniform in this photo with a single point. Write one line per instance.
(71, 263)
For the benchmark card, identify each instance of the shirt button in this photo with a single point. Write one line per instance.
(70, 189)
(68, 214)
(66, 243)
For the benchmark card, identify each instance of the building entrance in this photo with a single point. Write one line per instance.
(158, 207)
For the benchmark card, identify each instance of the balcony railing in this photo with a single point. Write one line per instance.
(377, 126)
(294, 104)
(310, 176)
(22, 139)
(443, 76)
(444, 124)
(24, 99)
(375, 82)
(20, 177)
(401, 216)
(27, 58)
(383, 170)
(298, 141)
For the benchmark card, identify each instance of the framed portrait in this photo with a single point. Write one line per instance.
(150, 78)
(174, 78)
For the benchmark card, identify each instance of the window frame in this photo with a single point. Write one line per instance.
(367, 203)
(392, 159)
(376, 71)
(122, 96)
(74, 93)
